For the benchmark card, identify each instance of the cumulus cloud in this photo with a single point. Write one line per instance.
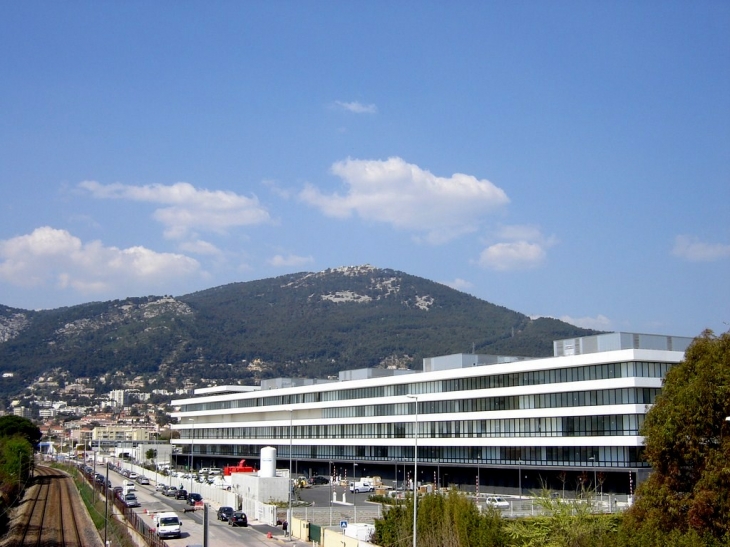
(408, 197)
(357, 108)
(694, 250)
(51, 256)
(200, 247)
(526, 247)
(186, 207)
(290, 260)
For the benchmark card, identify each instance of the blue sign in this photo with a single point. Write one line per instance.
(343, 524)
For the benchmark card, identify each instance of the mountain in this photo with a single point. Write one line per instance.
(300, 325)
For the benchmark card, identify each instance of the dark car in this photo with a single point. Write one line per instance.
(238, 518)
(194, 498)
(130, 500)
(319, 479)
(224, 513)
(181, 495)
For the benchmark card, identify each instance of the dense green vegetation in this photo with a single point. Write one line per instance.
(287, 326)
(18, 437)
(687, 497)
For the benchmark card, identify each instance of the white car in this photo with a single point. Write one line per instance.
(497, 501)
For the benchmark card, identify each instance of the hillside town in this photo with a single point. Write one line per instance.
(74, 416)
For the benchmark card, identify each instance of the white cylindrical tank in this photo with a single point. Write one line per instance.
(268, 462)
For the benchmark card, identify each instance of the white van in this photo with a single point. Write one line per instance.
(168, 525)
(361, 486)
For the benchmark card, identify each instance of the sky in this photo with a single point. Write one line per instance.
(568, 159)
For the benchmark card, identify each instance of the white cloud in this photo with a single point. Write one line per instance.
(51, 256)
(290, 260)
(694, 250)
(459, 284)
(357, 108)
(200, 247)
(518, 255)
(187, 207)
(408, 197)
(526, 248)
(600, 322)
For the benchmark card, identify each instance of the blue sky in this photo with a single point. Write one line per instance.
(563, 159)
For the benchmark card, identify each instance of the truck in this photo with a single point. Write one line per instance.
(168, 525)
(362, 486)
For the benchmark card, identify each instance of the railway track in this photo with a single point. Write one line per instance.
(51, 515)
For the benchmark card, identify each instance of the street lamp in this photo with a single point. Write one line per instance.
(519, 478)
(354, 489)
(332, 480)
(415, 471)
(291, 483)
(192, 446)
(594, 459)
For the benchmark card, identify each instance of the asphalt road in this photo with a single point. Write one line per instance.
(219, 533)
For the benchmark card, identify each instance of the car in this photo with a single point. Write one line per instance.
(142, 480)
(99, 478)
(132, 475)
(497, 501)
(130, 500)
(160, 487)
(117, 490)
(319, 479)
(224, 513)
(170, 491)
(194, 498)
(181, 495)
(238, 518)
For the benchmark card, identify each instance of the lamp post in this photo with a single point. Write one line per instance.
(415, 472)
(354, 489)
(332, 480)
(291, 483)
(594, 459)
(192, 446)
(519, 478)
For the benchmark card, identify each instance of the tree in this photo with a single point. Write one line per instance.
(15, 425)
(449, 520)
(688, 446)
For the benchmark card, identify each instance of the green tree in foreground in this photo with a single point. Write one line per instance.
(565, 523)
(449, 520)
(686, 500)
(15, 425)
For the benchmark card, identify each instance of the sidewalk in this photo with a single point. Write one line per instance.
(278, 534)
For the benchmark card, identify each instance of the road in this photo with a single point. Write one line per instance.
(219, 533)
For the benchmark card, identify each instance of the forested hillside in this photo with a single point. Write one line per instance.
(305, 324)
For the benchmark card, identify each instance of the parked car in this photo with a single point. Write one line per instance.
(170, 491)
(181, 495)
(194, 498)
(238, 518)
(117, 490)
(160, 487)
(142, 480)
(132, 475)
(497, 501)
(224, 513)
(130, 500)
(319, 479)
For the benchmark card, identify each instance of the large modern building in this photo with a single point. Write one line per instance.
(569, 420)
